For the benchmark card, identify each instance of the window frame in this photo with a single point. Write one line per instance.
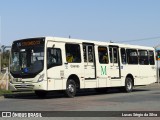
(153, 57)
(129, 56)
(79, 55)
(54, 65)
(103, 55)
(112, 55)
(125, 62)
(140, 57)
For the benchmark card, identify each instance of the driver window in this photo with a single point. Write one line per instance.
(54, 57)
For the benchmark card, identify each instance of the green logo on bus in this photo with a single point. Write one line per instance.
(103, 70)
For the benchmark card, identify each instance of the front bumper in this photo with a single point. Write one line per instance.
(20, 87)
(27, 86)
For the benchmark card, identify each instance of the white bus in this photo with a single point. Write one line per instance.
(51, 63)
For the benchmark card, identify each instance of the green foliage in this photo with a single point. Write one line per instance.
(2, 92)
(5, 59)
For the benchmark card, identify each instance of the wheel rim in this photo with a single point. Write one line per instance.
(71, 88)
(129, 85)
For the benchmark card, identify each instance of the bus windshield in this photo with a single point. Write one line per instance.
(27, 58)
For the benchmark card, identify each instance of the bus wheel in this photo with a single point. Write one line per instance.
(70, 88)
(128, 84)
(40, 93)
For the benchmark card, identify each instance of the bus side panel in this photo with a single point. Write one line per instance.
(103, 74)
(132, 70)
(55, 78)
(147, 74)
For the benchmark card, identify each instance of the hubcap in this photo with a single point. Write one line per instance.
(71, 88)
(129, 85)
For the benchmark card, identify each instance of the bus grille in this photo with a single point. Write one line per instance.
(24, 86)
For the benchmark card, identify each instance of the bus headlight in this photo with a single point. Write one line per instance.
(41, 78)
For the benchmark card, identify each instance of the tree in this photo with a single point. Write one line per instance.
(5, 59)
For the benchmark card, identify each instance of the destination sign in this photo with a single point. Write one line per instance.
(28, 42)
(31, 43)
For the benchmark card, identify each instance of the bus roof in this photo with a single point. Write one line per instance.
(97, 42)
(80, 41)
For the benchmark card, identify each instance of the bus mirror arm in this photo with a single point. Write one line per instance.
(53, 45)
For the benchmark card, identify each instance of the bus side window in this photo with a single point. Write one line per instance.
(84, 54)
(103, 55)
(143, 57)
(151, 58)
(123, 56)
(113, 52)
(73, 54)
(111, 55)
(132, 56)
(90, 54)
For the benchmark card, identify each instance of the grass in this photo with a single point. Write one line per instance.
(2, 92)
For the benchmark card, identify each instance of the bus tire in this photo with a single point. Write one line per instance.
(41, 93)
(128, 85)
(70, 88)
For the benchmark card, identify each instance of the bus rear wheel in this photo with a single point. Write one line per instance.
(128, 85)
(70, 88)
